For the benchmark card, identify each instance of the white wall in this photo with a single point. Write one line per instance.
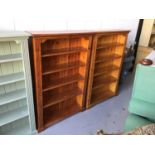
(60, 15)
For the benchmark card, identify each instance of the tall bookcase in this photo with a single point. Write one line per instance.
(106, 59)
(16, 99)
(61, 62)
(60, 70)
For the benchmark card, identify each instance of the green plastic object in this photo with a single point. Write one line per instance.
(135, 121)
(143, 96)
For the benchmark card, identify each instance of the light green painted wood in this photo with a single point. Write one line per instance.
(19, 127)
(22, 130)
(12, 96)
(16, 97)
(10, 58)
(14, 115)
(13, 105)
(14, 34)
(11, 78)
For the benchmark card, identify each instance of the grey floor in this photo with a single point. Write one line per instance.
(109, 116)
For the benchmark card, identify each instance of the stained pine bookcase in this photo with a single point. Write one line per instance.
(73, 70)
(106, 61)
(16, 98)
(60, 75)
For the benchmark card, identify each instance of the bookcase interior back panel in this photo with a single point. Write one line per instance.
(14, 112)
(106, 61)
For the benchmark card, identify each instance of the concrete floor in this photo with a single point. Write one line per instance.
(109, 116)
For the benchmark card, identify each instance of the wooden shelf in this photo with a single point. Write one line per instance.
(62, 67)
(104, 81)
(11, 78)
(96, 98)
(13, 115)
(54, 99)
(10, 58)
(62, 82)
(56, 52)
(12, 96)
(107, 58)
(108, 45)
(101, 71)
(51, 118)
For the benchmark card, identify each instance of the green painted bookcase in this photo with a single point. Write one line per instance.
(16, 98)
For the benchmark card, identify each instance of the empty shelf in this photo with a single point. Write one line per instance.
(54, 99)
(11, 78)
(10, 58)
(104, 81)
(107, 58)
(109, 45)
(55, 52)
(13, 115)
(58, 82)
(105, 69)
(51, 118)
(62, 67)
(23, 130)
(96, 98)
(12, 96)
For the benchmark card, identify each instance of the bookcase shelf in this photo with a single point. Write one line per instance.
(11, 78)
(55, 83)
(105, 70)
(62, 97)
(23, 130)
(55, 114)
(96, 98)
(18, 127)
(62, 67)
(12, 96)
(65, 51)
(16, 98)
(103, 80)
(105, 58)
(10, 58)
(106, 45)
(14, 115)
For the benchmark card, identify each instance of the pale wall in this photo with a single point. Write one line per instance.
(60, 15)
(146, 32)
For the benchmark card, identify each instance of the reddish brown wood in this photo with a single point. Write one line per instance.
(106, 61)
(62, 62)
(38, 82)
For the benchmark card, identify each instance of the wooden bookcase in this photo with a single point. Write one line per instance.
(16, 98)
(106, 59)
(61, 62)
(61, 68)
